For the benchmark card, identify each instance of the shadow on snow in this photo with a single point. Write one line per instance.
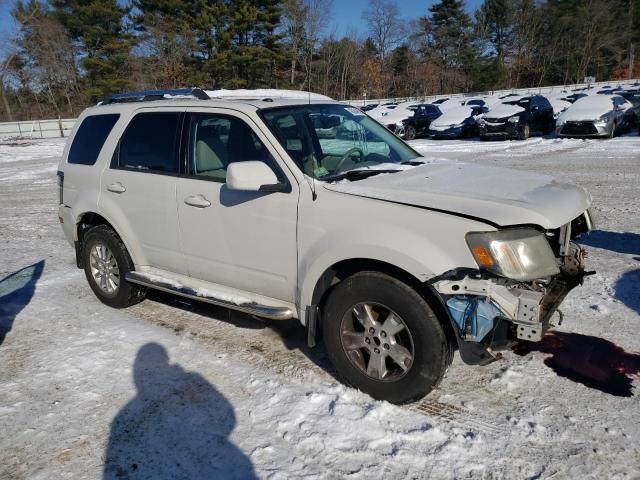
(177, 426)
(627, 288)
(592, 361)
(16, 291)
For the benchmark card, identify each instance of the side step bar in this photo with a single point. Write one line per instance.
(166, 285)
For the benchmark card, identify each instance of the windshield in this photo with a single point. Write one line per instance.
(328, 140)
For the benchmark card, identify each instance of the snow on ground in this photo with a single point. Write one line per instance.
(177, 389)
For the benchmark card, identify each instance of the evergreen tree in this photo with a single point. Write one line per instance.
(104, 46)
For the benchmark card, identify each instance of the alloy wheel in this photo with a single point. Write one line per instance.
(377, 341)
(104, 268)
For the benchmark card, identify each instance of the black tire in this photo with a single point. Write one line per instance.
(125, 294)
(432, 351)
(524, 132)
(410, 132)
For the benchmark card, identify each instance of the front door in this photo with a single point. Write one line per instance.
(244, 240)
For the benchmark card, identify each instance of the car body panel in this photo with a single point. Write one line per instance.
(500, 196)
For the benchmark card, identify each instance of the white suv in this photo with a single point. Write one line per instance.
(286, 208)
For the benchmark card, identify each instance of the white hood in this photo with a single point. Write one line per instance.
(397, 114)
(498, 195)
(455, 116)
(588, 108)
(503, 110)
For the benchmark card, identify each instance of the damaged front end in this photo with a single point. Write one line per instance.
(524, 276)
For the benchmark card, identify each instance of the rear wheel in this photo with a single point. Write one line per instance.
(410, 132)
(384, 339)
(106, 262)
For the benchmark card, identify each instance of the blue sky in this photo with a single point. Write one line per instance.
(345, 17)
(348, 13)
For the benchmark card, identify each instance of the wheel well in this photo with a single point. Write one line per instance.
(343, 269)
(85, 223)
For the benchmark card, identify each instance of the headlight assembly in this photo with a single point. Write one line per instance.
(513, 119)
(520, 254)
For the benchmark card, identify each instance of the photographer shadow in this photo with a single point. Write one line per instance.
(177, 426)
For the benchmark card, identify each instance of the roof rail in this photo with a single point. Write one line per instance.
(148, 95)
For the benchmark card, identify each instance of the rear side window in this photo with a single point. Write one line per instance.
(90, 138)
(149, 143)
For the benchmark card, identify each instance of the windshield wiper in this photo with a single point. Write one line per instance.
(413, 163)
(353, 175)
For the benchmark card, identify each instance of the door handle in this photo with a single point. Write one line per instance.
(198, 201)
(116, 188)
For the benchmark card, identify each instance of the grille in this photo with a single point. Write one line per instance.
(490, 127)
(579, 128)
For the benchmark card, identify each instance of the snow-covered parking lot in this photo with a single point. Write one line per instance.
(174, 389)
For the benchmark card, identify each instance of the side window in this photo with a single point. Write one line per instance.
(90, 138)
(215, 141)
(149, 143)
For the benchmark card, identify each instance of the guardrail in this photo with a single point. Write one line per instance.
(55, 128)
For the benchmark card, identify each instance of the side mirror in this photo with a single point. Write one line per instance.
(252, 177)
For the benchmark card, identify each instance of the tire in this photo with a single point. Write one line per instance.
(612, 133)
(106, 261)
(524, 133)
(410, 132)
(413, 326)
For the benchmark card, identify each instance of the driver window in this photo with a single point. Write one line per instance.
(216, 141)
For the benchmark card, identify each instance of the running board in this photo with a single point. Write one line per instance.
(220, 299)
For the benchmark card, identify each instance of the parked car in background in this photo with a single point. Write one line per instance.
(559, 106)
(368, 107)
(517, 118)
(596, 116)
(418, 124)
(461, 122)
(572, 97)
(392, 119)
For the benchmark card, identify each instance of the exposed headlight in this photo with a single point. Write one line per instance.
(604, 118)
(513, 119)
(481, 121)
(520, 253)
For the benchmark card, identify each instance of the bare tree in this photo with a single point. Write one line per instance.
(385, 28)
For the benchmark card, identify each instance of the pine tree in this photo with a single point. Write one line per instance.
(97, 28)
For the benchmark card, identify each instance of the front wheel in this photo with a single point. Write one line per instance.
(525, 132)
(384, 339)
(410, 132)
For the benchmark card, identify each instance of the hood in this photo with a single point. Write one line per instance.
(588, 108)
(503, 110)
(500, 196)
(451, 117)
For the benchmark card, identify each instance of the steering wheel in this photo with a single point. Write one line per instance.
(346, 155)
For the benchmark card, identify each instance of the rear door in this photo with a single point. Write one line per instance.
(138, 188)
(244, 240)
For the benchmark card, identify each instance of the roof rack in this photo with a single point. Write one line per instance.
(149, 95)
